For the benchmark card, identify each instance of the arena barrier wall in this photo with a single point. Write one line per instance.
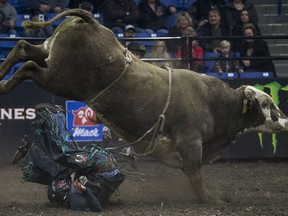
(17, 114)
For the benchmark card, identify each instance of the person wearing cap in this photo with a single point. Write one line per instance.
(139, 50)
(119, 13)
(129, 32)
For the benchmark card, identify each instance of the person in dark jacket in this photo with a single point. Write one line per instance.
(119, 13)
(54, 6)
(97, 4)
(73, 195)
(78, 178)
(154, 16)
(200, 8)
(232, 12)
(255, 48)
(212, 28)
(246, 17)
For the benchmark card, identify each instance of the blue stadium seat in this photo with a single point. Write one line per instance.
(256, 75)
(146, 43)
(209, 65)
(7, 76)
(51, 15)
(13, 70)
(171, 21)
(137, 1)
(143, 34)
(229, 75)
(7, 45)
(18, 24)
(236, 54)
(179, 4)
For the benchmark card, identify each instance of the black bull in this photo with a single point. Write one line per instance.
(200, 115)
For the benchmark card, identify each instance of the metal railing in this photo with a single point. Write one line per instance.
(191, 38)
(189, 60)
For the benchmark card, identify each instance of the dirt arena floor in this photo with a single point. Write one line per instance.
(251, 188)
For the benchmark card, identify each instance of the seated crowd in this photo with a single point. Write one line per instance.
(131, 18)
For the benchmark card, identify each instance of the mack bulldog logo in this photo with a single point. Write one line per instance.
(81, 122)
(84, 117)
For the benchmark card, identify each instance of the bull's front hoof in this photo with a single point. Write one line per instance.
(213, 201)
(219, 202)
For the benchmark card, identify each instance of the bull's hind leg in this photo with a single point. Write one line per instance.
(23, 51)
(191, 154)
(30, 70)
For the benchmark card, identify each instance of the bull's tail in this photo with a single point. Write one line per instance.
(87, 17)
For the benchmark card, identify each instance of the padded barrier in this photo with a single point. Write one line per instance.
(229, 75)
(256, 75)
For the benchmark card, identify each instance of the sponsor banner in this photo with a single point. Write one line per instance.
(80, 122)
(18, 113)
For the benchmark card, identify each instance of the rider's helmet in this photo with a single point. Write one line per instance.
(58, 191)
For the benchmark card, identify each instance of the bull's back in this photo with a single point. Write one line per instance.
(201, 99)
(202, 88)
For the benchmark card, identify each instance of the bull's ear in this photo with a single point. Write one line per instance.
(249, 98)
(249, 93)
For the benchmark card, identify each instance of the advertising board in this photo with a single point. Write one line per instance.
(17, 113)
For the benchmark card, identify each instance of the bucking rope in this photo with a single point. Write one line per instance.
(157, 127)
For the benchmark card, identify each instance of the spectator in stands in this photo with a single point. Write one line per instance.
(197, 52)
(212, 28)
(245, 18)
(139, 50)
(200, 8)
(183, 21)
(49, 6)
(119, 13)
(129, 32)
(9, 13)
(45, 32)
(85, 5)
(222, 66)
(255, 48)
(159, 50)
(232, 12)
(154, 16)
(97, 4)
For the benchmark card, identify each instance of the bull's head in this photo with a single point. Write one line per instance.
(260, 107)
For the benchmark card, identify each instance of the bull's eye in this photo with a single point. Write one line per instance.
(265, 105)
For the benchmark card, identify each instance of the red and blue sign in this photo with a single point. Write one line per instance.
(80, 122)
